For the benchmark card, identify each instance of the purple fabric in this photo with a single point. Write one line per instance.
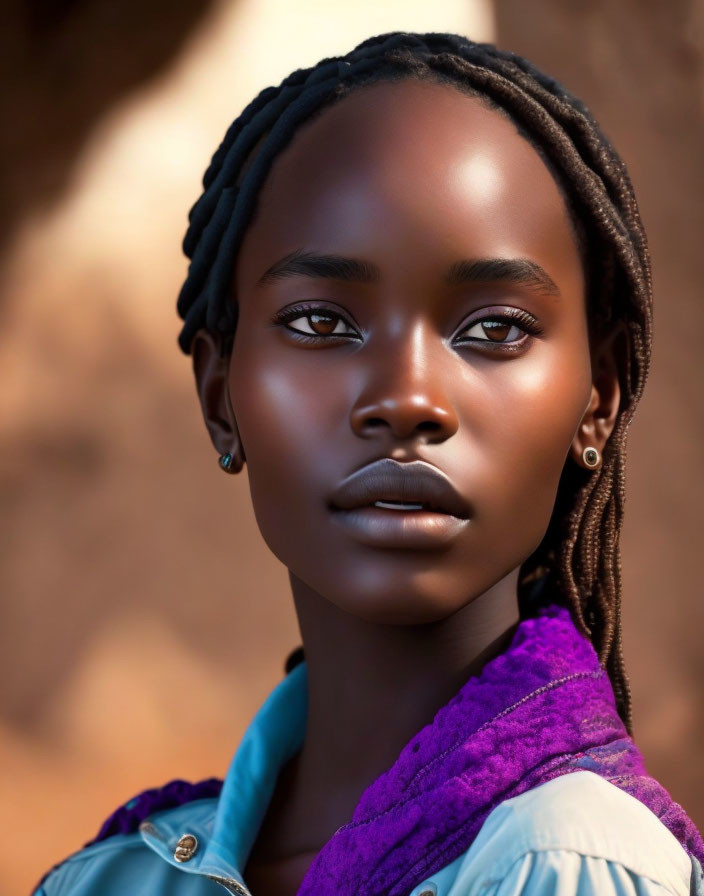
(127, 818)
(541, 709)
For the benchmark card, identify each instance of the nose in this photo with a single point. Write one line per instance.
(406, 391)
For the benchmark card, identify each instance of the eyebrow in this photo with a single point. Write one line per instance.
(521, 271)
(333, 267)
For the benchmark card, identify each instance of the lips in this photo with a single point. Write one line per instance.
(412, 483)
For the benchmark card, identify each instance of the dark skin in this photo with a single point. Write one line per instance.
(411, 177)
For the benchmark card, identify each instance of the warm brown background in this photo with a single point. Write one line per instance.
(143, 618)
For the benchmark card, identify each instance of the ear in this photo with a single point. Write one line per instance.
(211, 375)
(600, 416)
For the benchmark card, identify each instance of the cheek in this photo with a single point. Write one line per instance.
(538, 406)
(286, 423)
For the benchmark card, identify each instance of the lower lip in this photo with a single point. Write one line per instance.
(410, 529)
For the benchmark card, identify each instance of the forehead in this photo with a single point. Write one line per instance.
(407, 163)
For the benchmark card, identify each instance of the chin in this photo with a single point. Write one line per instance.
(409, 607)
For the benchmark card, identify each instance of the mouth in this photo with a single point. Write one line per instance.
(402, 505)
(400, 487)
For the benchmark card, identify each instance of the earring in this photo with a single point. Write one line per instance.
(590, 456)
(225, 461)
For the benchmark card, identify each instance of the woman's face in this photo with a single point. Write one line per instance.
(455, 334)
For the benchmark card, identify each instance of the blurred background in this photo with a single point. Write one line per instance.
(143, 618)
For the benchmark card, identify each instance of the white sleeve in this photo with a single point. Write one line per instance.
(576, 835)
(560, 872)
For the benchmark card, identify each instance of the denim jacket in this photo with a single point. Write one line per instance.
(577, 834)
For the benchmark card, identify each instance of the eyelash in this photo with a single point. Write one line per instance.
(513, 316)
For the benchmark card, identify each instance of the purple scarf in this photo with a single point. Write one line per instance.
(541, 709)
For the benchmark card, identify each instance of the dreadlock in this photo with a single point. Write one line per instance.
(579, 555)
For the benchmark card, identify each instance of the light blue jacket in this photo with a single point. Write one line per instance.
(576, 835)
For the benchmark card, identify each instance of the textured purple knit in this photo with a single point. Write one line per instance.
(542, 708)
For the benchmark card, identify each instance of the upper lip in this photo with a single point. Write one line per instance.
(388, 480)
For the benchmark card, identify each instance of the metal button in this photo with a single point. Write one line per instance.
(186, 848)
(427, 892)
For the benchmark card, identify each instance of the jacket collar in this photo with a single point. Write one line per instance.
(226, 830)
(273, 737)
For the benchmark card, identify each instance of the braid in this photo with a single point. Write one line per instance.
(580, 554)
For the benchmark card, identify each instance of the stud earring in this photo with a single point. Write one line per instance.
(225, 461)
(590, 456)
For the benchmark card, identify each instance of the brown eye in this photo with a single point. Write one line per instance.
(322, 324)
(313, 323)
(510, 328)
(494, 331)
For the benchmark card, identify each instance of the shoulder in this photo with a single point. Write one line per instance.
(579, 830)
(119, 859)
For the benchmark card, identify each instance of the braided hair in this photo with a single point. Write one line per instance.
(578, 561)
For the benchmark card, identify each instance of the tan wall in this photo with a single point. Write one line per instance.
(143, 617)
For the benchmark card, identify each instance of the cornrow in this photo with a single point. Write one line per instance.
(578, 562)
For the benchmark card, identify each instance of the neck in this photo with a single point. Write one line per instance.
(372, 687)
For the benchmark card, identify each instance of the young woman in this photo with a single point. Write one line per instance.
(419, 312)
